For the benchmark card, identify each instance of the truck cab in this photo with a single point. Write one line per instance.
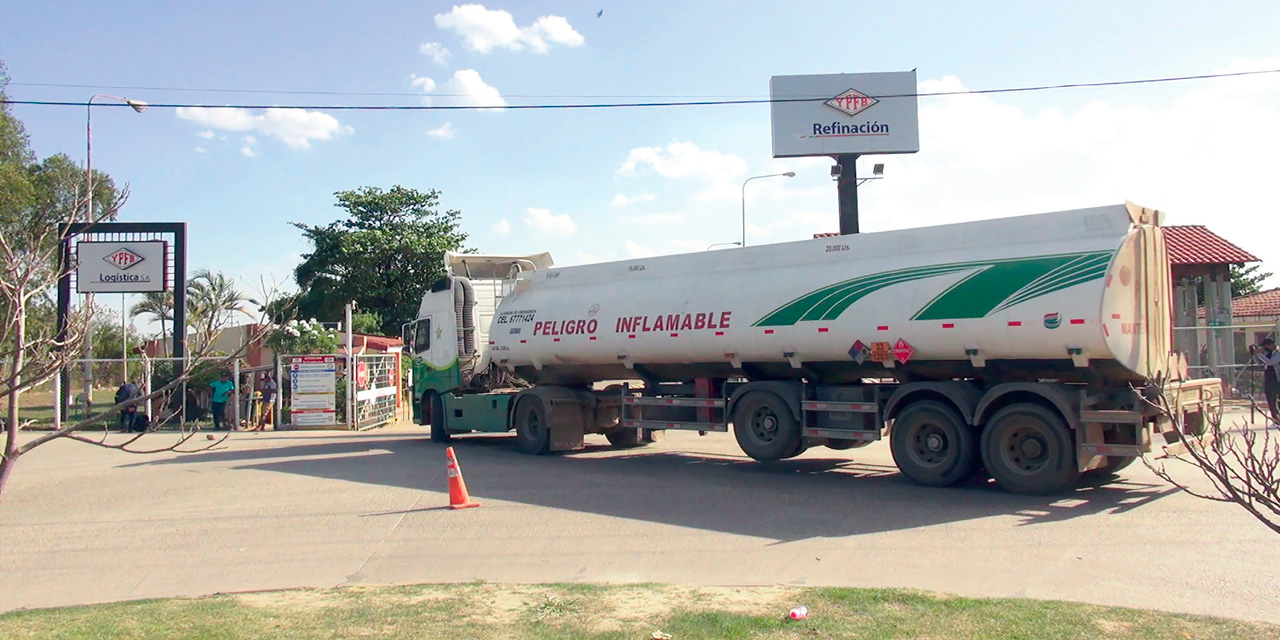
(449, 340)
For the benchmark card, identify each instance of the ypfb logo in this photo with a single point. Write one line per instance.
(851, 102)
(122, 258)
(1052, 320)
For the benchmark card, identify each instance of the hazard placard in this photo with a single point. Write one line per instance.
(859, 352)
(881, 352)
(902, 351)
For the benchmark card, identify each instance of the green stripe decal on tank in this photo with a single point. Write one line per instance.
(989, 287)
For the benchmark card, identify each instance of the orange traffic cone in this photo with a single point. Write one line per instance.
(458, 496)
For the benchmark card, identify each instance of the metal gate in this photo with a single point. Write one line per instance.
(377, 389)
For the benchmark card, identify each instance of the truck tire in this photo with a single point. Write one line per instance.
(433, 406)
(533, 430)
(1113, 465)
(623, 438)
(932, 445)
(765, 428)
(1028, 449)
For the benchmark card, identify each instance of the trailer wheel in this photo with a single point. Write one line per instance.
(433, 406)
(932, 445)
(623, 438)
(765, 428)
(1028, 449)
(533, 430)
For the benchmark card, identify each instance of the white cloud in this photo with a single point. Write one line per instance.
(435, 51)
(484, 29)
(248, 152)
(636, 250)
(544, 220)
(684, 160)
(201, 150)
(207, 135)
(502, 227)
(250, 140)
(294, 127)
(651, 218)
(466, 88)
(444, 131)
(620, 200)
(425, 85)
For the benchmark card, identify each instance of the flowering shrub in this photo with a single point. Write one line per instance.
(307, 336)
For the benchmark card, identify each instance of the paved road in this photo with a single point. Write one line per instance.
(82, 524)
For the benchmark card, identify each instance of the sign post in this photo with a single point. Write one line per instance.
(313, 384)
(845, 115)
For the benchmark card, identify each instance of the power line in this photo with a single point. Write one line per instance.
(331, 93)
(693, 103)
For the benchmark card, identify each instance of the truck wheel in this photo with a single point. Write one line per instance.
(765, 428)
(932, 445)
(623, 438)
(533, 430)
(1114, 464)
(1028, 449)
(433, 405)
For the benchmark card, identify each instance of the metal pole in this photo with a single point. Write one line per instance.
(789, 174)
(238, 394)
(847, 193)
(86, 350)
(275, 415)
(124, 343)
(351, 367)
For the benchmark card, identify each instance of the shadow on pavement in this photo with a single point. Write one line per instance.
(788, 500)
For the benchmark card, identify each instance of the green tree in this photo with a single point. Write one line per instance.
(384, 255)
(301, 338)
(212, 302)
(1247, 280)
(367, 322)
(159, 305)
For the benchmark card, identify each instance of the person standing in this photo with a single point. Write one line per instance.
(268, 412)
(223, 387)
(1269, 358)
(127, 391)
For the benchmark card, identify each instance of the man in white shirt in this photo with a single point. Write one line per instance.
(1269, 358)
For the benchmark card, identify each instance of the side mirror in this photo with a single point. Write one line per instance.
(406, 336)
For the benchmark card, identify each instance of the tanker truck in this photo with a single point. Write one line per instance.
(1036, 348)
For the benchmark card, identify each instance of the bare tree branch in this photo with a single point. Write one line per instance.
(1242, 468)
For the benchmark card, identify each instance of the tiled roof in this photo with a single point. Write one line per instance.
(1262, 303)
(1194, 244)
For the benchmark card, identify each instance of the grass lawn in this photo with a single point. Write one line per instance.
(489, 612)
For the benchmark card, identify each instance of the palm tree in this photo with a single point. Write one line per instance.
(212, 299)
(158, 304)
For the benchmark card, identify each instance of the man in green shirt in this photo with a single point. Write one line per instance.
(223, 387)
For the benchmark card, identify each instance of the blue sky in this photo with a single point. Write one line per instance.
(590, 185)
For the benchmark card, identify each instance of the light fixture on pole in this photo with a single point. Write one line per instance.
(138, 106)
(724, 244)
(877, 173)
(789, 174)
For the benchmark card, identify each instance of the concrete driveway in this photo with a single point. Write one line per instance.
(307, 509)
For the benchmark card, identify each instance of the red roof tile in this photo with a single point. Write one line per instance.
(1262, 303)
(1194, 244)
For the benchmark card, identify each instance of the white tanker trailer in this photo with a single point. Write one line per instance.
(1020, 345)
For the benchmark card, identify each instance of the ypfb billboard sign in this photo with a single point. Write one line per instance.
(121, 267)
(844, 113)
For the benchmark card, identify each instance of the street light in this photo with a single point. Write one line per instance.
(138, 106)
(789, 174)
(724, 244)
